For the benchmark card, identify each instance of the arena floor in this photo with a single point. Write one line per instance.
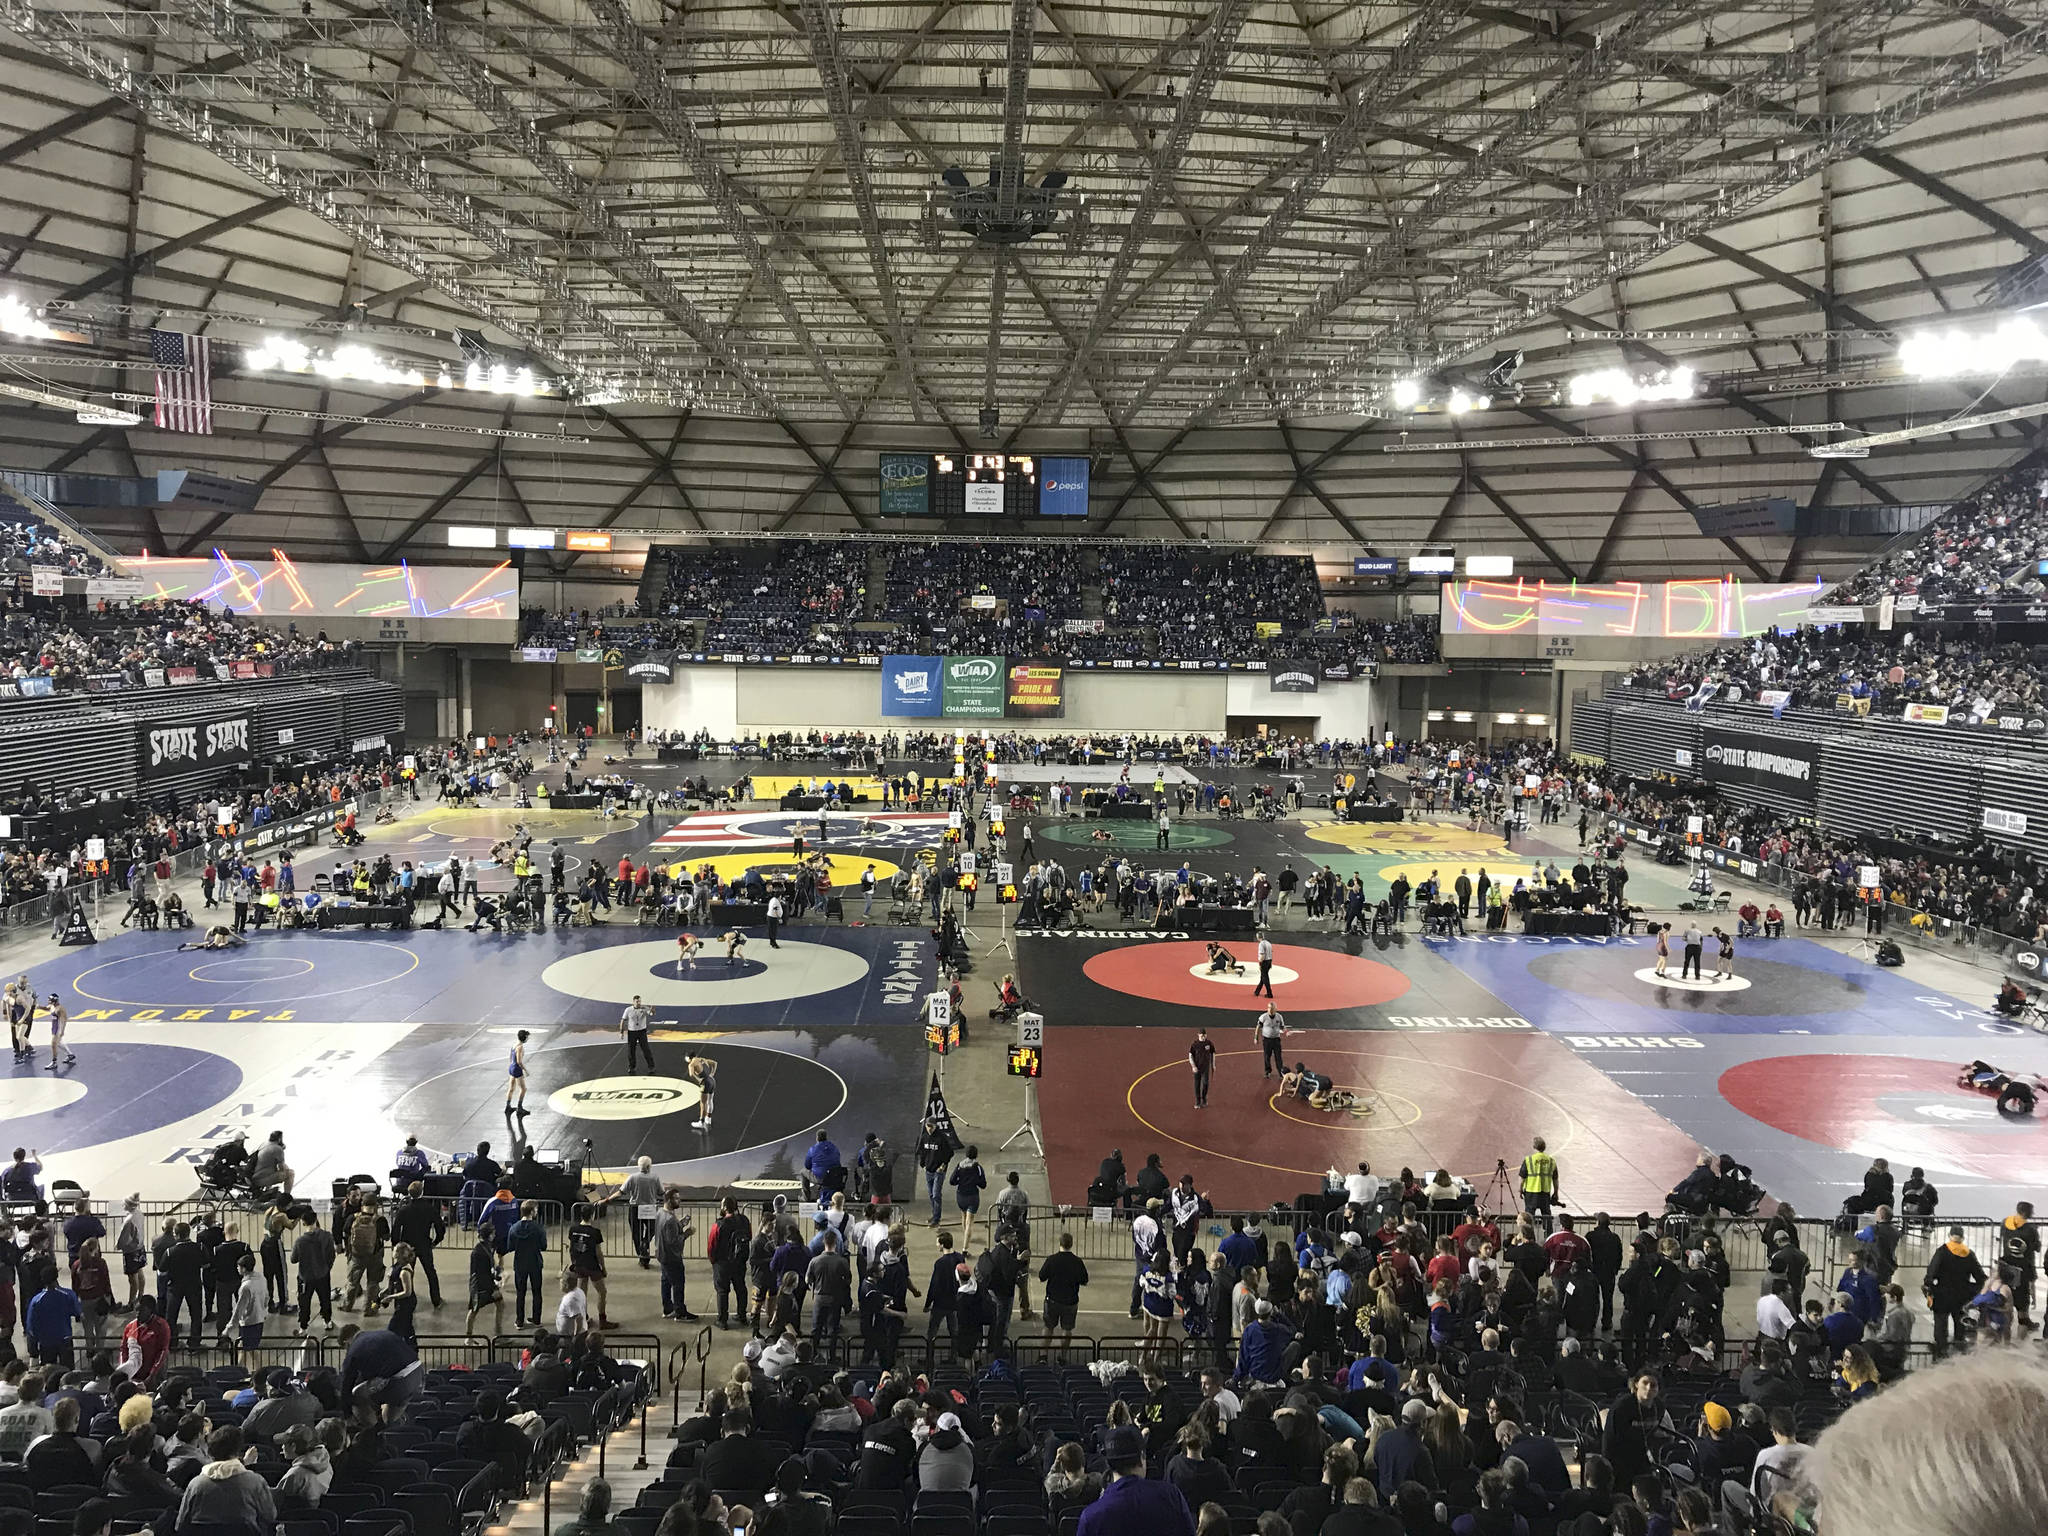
(1461, 1050)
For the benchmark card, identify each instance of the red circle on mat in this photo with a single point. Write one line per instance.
(1897, 1107)
(1323, 977)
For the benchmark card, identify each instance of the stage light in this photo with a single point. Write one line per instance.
(355, 362)
(1945, 354)
(1623, 388)
(1461, 404)
(1407, 394)
(17, 319)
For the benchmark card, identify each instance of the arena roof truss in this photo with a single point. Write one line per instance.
(724, 233)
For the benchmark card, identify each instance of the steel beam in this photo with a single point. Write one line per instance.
(143, 261)
(821, 30)
(630, 46)
(1217, 42)
(1433, 21)
(63, 128)
(1528, 529)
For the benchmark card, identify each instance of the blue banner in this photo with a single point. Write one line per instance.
(1373, 565)
(1063, 487)
(911, 685)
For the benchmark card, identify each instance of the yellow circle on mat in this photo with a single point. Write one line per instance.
(1417, 837)
(483, 824)
(845, 868)
(774, 786)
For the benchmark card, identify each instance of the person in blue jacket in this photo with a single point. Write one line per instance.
(822, 1167)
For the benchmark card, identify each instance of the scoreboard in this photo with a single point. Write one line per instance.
(969, 485)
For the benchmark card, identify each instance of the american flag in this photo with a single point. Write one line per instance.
(184, 382)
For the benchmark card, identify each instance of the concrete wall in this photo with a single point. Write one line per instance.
(726, 700)
(701, 698)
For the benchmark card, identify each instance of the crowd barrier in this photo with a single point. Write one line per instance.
(1102, 1234)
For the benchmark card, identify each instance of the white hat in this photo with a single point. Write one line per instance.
(949, 1421)
(1353, 1239)
(752, 1350)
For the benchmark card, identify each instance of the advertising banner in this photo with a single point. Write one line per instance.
(1293, 676)
(1036, 690)
(1783, 764)
(984, 497)
(906, 485)
(46, 581)
(545, 653)
(1927, 714)
(1063, 487)
(972, 685)
(222, 741)
(911, 685)
(653, 669)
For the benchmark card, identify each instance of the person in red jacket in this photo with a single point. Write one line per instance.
(145, 1343)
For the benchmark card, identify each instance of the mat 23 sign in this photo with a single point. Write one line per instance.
(167, 750)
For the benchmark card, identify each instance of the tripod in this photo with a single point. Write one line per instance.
(1030, 1125)
(1499, 1196)
(1003, 939)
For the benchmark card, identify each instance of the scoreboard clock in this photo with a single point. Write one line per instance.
(976, 485)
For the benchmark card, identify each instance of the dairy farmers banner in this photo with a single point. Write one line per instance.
(911, 686)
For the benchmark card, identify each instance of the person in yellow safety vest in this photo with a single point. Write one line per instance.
(362, 881)
(1539, 1182)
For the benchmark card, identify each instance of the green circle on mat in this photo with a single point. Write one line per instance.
(1133, 834)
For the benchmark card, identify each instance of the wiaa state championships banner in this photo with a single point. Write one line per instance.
(1786, 765)
(1035, 689)
(169, 750)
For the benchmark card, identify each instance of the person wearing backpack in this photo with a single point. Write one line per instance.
(2019, 1249)
(364, 1241)
(726, 1247)
(874, 1172)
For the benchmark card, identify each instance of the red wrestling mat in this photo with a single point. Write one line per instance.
(1897, 1107)
(1457, 1101)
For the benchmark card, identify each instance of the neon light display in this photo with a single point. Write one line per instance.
(280, 587)
(1710, 607)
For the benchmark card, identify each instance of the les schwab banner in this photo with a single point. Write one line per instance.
(1035, 690)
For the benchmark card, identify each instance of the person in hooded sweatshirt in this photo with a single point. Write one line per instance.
(945, 1457)
(224, 1493)
(134, 1474)
(306, 1481)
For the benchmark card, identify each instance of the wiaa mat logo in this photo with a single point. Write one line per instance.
(624, 1098)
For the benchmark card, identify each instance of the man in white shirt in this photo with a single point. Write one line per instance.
(572, 1312)
(1777, 1464)
(1362, 1188)
(1774, 1316)
(1216, 1389)
(774, 920)
(1265, 967)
